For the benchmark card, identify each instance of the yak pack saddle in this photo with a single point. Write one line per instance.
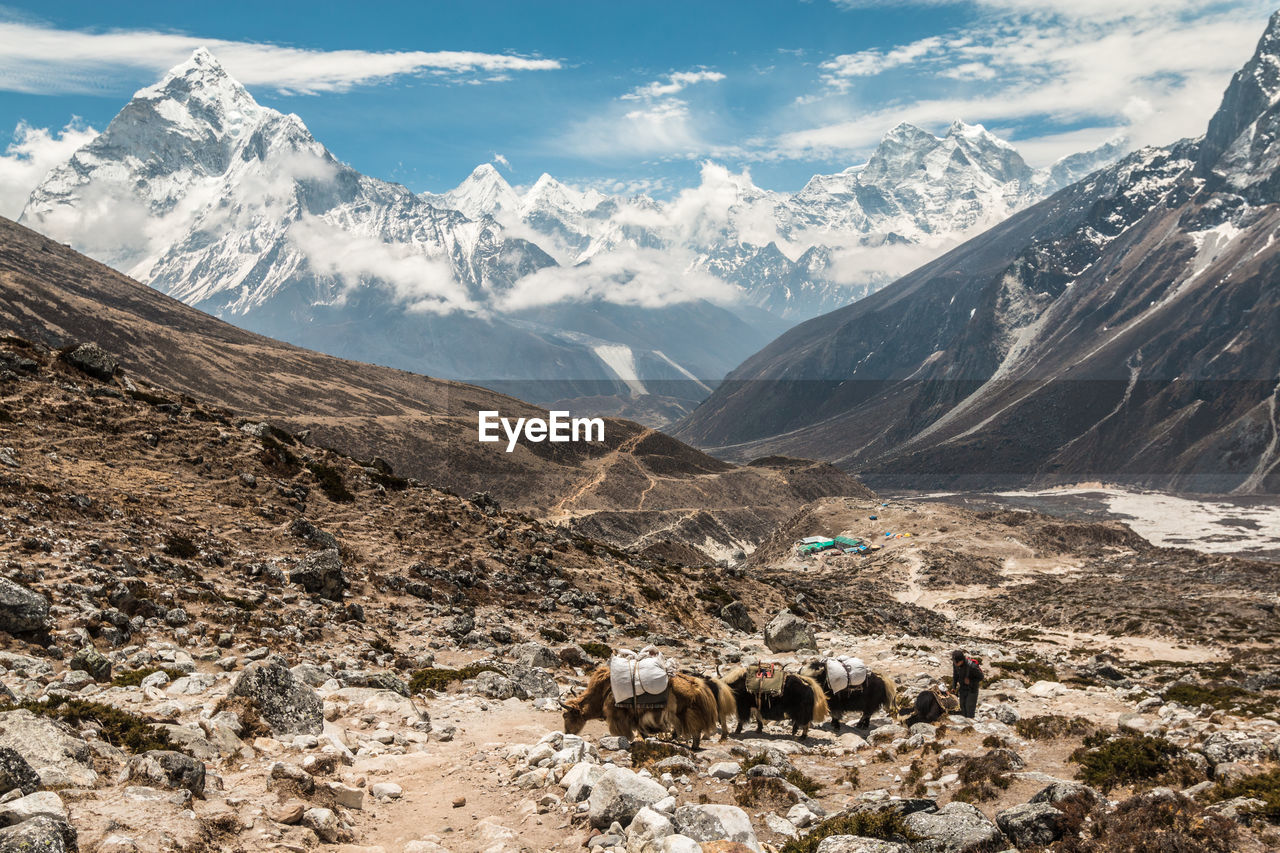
(766, 680)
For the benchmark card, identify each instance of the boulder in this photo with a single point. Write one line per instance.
(716, 823)
(646, 827)
(285, 705)
(531, 682)
(41, 833)
(92, 661)
(1032, 824)
(724, 770)
(536, 655)
(493, 685)
(25, 808)
(321, 574)
(1056, 792)
(859, 844)
(92, 359)
(21, 610)
(164, 768)
(15, 772)
(787, 632)
(323, 822)
(678, 844)
(619, 794)
(955, 828)
(579, 781)
(736, 615)
(60, 758)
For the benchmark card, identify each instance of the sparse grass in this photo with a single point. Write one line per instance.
(439, 678)
(118, 728)
(276, 457)
(600, 651)
(651, 593)
(885, 825)
(646, 752)
(803, 781)
(133, 677)
(1108, 761)
(149, 398)
(331, 483)
(1051, 726)
(1263, 786)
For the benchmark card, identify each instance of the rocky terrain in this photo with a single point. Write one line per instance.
(656, 489)
(219, 635)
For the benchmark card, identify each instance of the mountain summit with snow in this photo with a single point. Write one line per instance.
(546, 291)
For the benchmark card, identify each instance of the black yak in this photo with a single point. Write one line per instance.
(877, 691)
(801, 701)
(929, 707)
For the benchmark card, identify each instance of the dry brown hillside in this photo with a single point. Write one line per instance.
(646, 487)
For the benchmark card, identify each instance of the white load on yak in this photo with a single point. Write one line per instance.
(633, 674)
(844, 671)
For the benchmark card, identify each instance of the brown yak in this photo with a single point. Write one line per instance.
(692, 709)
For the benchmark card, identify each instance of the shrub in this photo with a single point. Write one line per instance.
(1028, 671)
(983, 777)
(1110, 761)
(276, 457)
(118, 728)
(601, 651)
(764, 793)
(803, 781)
(1262, 786)
(1150, 824)
(885, 825)
(650, 593)
(331, 483)
(439, 678)
(1224, 697)
(133, 677)
(1051, 726)
(177, 545)
(646, 752)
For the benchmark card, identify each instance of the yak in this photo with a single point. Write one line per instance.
(878, 691)
(691, 710)
(929, 707)
(801, 701)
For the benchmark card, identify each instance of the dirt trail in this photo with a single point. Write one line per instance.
(472, 765)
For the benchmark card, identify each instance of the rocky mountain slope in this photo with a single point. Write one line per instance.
(638, 480)
(624, 305)
(1123, 329)
(215, 636)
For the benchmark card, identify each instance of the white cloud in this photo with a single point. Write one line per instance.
(502, 161)
(645, 278)
(30, 156)
(676, 82)
(657, 125)
(419, 282)
(1154, 72)
(868, 63)
(44, 60)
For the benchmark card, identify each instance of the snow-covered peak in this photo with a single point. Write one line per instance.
(201, 89)
(483, 192)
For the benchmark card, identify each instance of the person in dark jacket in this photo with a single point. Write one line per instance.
(965, 679)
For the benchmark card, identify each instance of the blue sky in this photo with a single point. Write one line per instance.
(633, 96)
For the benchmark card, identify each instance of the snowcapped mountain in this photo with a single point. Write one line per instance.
(548, 292)
(1124, 329)
(236, 209)
(795, 255)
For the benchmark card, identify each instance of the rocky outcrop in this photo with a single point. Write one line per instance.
(168, 769)
(321, 574)
(285, 704)
(787, 632)
(21, 610)
(92, 359)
